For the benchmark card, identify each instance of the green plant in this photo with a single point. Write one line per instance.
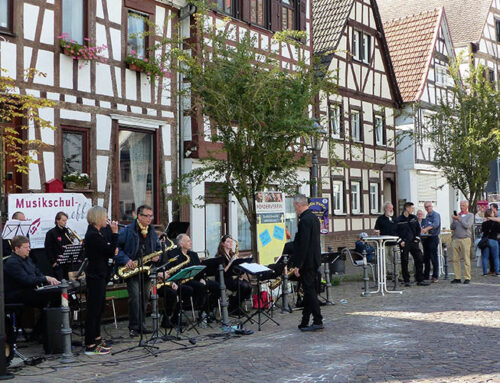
(78, 178)
(153, 67)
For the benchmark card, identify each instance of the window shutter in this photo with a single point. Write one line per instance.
(245, 11)
(302, 15)
(276, 22)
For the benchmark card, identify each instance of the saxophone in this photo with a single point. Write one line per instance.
(125, 272)
(173, 270)
(277, 282)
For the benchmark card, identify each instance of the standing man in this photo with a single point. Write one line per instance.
(307, 260)
(408, 230)
(430, 243)
(135, 241)
(385, 224)
(461, 242)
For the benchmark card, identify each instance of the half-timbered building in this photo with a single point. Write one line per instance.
(214, 215)
(113, 122)
(421, 51)
(358, 165)
(475, 30)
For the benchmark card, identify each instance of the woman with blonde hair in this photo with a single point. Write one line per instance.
(98, 250)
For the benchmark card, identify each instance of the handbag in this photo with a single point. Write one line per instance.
(483, 242)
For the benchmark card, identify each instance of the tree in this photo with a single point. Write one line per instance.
(465, 131)
(19, 111)
(260, 112)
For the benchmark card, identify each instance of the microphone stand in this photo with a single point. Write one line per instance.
(146, 347)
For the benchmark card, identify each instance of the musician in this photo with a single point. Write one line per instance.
(7, 247)
(307, 259)
(234, 282)
(198, 284)
(55, 240)
(21, 277)
(98, 249)
(136, 240)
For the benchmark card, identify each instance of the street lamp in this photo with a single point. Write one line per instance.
(316, 141)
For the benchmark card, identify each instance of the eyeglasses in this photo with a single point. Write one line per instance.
(147, 215)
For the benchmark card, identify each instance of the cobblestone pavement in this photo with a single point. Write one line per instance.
(441, 333)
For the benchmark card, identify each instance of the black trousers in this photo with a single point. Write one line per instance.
(430, 246)
(413, 249)
(170, 297)
(96, 299)
(310, 300)
(241, 287)
(199, 293)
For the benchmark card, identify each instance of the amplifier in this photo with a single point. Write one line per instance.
(53, 339)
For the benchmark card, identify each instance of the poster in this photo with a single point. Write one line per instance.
(271, 237)
(41, 209)
(319, 206)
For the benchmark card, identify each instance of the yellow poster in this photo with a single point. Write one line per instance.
(271, 237)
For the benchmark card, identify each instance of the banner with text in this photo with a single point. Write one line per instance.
(319, 206)
(41, 209)
(271, 236)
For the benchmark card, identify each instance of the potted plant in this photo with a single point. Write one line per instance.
(154, 67)
(82, 52)
(76, 180)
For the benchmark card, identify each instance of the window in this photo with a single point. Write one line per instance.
(379, 130)
(374, 198)
(335, 120)
(73, 19)
(225, 6)
(136, 29)
(75, 150)
(355, 197)
(257, 12)
(288, 14)
(356, 125)
(136, 158)
(497, 24)
(244, 234)
(6, 15)
(338, 197)
(441, 75)
(361, 46)
(491, 77)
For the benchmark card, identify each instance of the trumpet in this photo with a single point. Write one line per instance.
(73, 235)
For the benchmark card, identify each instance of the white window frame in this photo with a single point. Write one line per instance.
(355, 125)
(374, 198)
(378, 125)
(361, 46)
(441, 74)
(335, 121)
(355, 197)
(338, 197)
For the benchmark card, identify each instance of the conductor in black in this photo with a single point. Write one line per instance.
(307, 260)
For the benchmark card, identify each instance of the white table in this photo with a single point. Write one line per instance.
(380, 242)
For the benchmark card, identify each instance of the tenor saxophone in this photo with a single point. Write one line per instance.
(278, 281)
(125, 272)
(173, 270)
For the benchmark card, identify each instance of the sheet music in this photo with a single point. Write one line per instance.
(254, 268)
(14, 227)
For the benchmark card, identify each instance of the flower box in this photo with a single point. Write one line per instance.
(134, 67)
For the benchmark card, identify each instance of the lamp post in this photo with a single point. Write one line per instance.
(316, 140)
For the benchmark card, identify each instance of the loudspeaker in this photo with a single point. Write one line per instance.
(53, 339)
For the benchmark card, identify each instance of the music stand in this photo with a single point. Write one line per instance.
(15, 227)
(173, 229)
(187, 273)
(257, 270)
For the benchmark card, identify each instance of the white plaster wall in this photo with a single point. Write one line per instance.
(103, 80)
(84, 78)
(130, 85)
(48, 161)
(75, 115)
(65, 71)
(47, 134)
(167, 137)
(103, 132)
(30, 16)
(47, 36)
(115, 10)
(8, 58)
(102, 172)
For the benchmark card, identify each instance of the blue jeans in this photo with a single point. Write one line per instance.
(492, 249)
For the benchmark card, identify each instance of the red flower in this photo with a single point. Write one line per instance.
(59, 239)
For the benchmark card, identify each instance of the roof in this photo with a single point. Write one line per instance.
(329, 20)
(411, 44)
(466, 18)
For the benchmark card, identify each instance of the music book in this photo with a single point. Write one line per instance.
(188, 272)
(254, 268)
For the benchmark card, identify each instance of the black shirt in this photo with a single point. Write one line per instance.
(491, 229)
(21, 274)
(385, 225)
(55, 239)
(98, 250)
(407, 228)
(307, 244)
